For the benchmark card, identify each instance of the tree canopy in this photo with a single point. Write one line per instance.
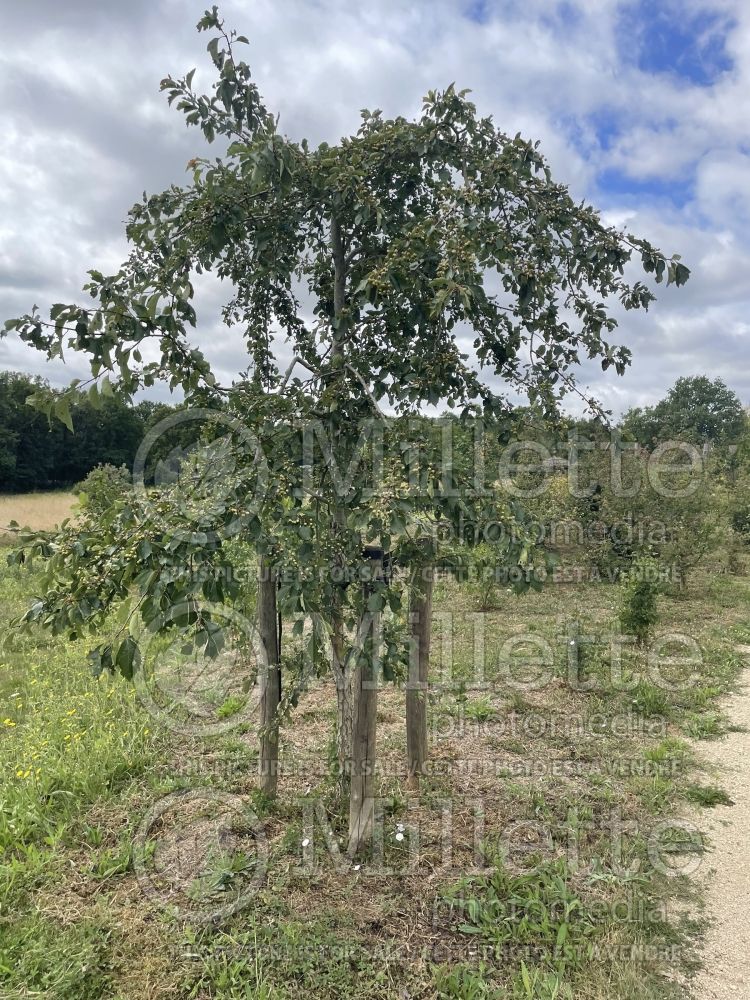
(698, 410)
(406, 232)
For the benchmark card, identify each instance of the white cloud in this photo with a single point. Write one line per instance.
(85, 131)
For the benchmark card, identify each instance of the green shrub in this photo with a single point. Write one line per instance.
(103, 486)
(640, 590)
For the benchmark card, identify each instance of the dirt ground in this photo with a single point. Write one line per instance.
(726, 972)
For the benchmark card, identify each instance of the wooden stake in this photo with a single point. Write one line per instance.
(270, 680)
(420, 627)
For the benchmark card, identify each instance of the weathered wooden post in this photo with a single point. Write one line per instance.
(270, 679)
(365, 707)
(420, 628)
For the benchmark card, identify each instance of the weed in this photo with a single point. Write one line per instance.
(315, 958)
(465, 982)
(708, 796)
(111, 862)
(42, 958)
(669, 751)
(479, 710)
(649, 700)
(231, 706)
(705, 726)
(536, 984)
(536, 908)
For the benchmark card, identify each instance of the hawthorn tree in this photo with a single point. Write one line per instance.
(440, 263)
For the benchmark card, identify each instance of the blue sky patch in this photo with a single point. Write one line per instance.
(624, 189)
(563, 14)
(606, 127)
(664, 38)
(478, 10)
(567, 13)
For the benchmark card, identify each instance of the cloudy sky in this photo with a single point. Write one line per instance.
(641, 106)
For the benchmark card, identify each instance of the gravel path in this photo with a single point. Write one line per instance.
(727, 945)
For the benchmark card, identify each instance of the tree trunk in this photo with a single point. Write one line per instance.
(346, 682)
(270, 680)
(420, 629)
(364, 701)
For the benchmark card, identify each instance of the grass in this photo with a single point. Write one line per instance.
(520, 888)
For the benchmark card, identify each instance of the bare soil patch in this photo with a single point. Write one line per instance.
(726, 955)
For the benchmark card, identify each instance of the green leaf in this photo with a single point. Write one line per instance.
(62, 412)
(213, 49)
(128, 657)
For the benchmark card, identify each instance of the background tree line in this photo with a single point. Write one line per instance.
(36, 454)
(39, 454)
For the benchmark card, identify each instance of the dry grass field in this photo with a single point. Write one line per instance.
(40, 511)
